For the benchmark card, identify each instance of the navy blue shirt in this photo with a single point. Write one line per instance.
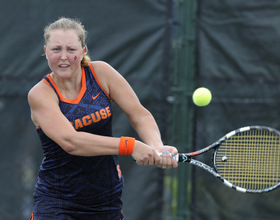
(68, 184)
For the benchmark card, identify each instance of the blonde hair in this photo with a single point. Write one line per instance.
(69, 24)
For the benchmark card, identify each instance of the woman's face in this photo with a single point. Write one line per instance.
(64, 52)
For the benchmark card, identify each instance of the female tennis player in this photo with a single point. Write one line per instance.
(80, 177)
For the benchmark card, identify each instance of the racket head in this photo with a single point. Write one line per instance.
(249, 159)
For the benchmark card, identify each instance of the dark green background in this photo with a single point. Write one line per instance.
(236, 55)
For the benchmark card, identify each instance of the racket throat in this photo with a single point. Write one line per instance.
(183, 158)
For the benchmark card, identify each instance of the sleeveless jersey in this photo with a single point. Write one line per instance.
(69, 185)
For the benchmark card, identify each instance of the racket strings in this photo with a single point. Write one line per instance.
(250, 159)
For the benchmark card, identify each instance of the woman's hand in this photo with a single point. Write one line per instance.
(163, 157)
(167, 154)
(145, 155)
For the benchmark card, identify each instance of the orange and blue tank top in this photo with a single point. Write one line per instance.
(95, 183)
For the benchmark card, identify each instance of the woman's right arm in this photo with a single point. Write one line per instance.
(46, 114)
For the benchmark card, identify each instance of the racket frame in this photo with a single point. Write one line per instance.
(188, 157)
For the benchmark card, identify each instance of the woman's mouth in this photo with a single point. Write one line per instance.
(63, 66)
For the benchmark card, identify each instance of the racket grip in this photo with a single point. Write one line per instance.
(176, 157)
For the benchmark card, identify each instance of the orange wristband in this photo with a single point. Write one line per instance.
(126, 145)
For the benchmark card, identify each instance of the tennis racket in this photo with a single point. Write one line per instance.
(247, 159)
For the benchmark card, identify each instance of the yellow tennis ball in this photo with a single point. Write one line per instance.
(202, 96)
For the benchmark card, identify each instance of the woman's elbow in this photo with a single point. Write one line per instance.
(68, 146)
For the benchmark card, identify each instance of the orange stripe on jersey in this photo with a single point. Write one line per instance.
(93, 73)
(79, 97)
(46, 82)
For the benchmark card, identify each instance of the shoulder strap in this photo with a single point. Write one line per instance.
(47, 80)
(96, 79)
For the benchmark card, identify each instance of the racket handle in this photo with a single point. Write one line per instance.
(177, 157)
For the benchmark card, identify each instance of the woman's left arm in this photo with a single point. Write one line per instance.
(140, 118)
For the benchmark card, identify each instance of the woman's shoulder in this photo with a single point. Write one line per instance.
(41, 90)
(38, 87)
(102, 68)
(99, 64)
(106, 74)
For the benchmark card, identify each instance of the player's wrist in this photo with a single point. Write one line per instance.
(126, 145)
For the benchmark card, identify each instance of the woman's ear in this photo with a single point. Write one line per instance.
(45, 51)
